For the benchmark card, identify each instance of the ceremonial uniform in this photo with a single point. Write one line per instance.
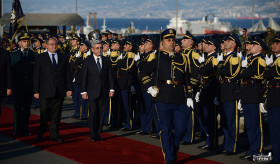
(76, 65)
(174, 89)
(125, 73)
(209, 90)
(146, 68)
(228, 71)
(272, 75)
(193, 68)
(22, 62)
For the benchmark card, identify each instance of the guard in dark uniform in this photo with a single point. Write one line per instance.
(228, 70)
(75, 42)
(62, 44)
(208, 92)
(22, 62)
(188, 43)
(125, 76)
(146, 68)
(272, 75)
(106, 48)
(171, 91)
(38, 45)
(76, 66)
(251, 94)
(5, 74)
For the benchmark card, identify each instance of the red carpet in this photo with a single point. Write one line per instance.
(76, 145)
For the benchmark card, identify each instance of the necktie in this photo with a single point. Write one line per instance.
(54, 61)
(25, 54)
(98, 65)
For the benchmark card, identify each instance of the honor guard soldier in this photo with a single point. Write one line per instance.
(272, 75)
(104, 36)
(38, 45)
(106, 48)
(22, 62)
(177, 46)
(251, 94)
(76, 66)
(112, 109)
(75, 42)
(208, 92)
(125, 77)
(188, 43)
(146, 69)
(6, 83)
(171, 91)
(228, 70)
(62, 44)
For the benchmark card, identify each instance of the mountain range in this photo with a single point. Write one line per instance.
(152, 8)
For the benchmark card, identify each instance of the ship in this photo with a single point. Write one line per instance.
(199, 27)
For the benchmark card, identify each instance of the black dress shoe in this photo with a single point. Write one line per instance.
(155, 136)
(124, 129)
(220, 151)
(83, 118)
(142, 133)
(247, 157)
(228, 153)
(171, 162)
(58, 139)
(185, 143)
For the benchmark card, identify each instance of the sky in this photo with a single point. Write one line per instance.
(149, 8)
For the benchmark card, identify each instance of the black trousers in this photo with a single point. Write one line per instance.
(51, 109)
(96, 116)
(22, 106)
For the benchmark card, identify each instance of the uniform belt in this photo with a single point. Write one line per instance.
(171, 82)
(250, 82)
(274, 85)
(224, 80)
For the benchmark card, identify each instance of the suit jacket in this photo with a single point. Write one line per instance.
(48, 81)
(96, 84)
(5, 72)
(22, 70)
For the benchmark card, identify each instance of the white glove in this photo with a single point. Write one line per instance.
(263, 110)
(152, 91)
(88, 53)
(132, 89)
(269, 60)
(77, 54)
(201, 59)
(239, 54)
(189, 103)
(197, 96)
(136, 57)
(239, 105)
(108, 52)
(220, 57)
(216, 102)
(244, 63)
(120, 57)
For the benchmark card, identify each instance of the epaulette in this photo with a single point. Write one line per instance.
(114, 53)
(195, 55)
(130, 55)
(262, 61)
(151, 57)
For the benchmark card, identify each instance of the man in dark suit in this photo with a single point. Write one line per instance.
(5, 74)
(22, 63)
(97, 85)
(52, 78)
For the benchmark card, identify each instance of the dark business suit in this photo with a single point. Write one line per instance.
(51, 83)
(97, 85)
(22, 70)
(5, 74)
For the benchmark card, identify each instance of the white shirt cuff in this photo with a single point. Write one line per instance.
(112, 90)
(83, 93)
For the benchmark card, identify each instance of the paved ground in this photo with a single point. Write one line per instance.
(13, 151)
